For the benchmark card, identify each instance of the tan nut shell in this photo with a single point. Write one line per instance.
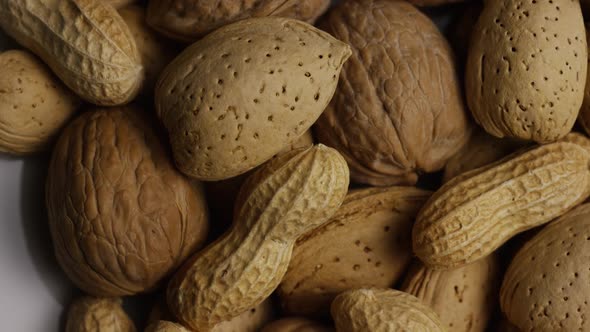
(251, 320)
(584, 116)
(121, 216)
(165, 326)
(546, 287)
(286, 198)
(34, 105)
(246, 91)
(296, 324)
(398, 108)
(88, 314)
(464, 298)
(187, 20)
(366, 243)
(155, 51)
(473, 214)
(382, 310)
(85, 42)
(526, 68)
(481, 149)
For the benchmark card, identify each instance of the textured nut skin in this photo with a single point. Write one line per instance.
(165, 326)
(382, 310)
(267, 81)
(296, 324)
(366, 243)
(88, 314)
(34, 105)
(251, 320)
(286, 198)
(584, 116)
(85, 42)
(481, 149)
(526, 68)
(187, 20)
(463, 298)
(155, 52)
(546, 287)
(386, 116)
(473, 214)
(121, 216)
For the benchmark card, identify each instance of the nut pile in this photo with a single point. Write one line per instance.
(255, 172)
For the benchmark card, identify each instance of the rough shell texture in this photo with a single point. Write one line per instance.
(398, 108)
(121, 216)
(473, 214)
(382, 310)
(296, 324)
(88, 314)
(526, 68)
(286, 198)
(546, 287)
(584, 117)
(34, 105)
(246, 91)
(366, 243)
(481, 149)
(155, 52)
(463, 298)
(85, 42)
(221, 194)
(165, 326)
(188, 20)
(251, 320)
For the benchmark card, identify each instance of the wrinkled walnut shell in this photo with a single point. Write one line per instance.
(121, 216)
(398, 109)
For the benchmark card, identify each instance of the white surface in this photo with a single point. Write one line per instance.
(33, 290)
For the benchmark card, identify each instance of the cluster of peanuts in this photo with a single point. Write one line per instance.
(258, 173)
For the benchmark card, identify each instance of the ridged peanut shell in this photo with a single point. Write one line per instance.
(89, 314)
(547, 285)
(366, 243)
(85, 42)
(473, 214)
(382, 310)
(188, 20)
(121, 216)
(464, 298)
(481, 149)
(296, 324)
(286, 198)
(398, 109)
(526, 68)
(240, 95)
(166, 326)
(155, 51)
(34, 105)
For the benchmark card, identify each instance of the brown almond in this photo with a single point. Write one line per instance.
(546, 287)
(464, 298)
(366, 243)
